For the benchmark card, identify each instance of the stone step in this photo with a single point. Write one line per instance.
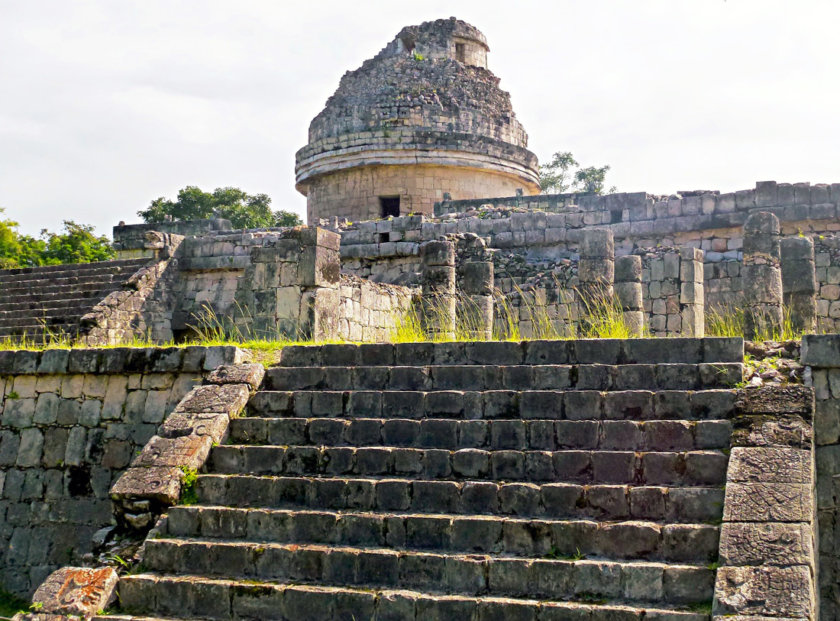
(497, 404)
(630, 540)
(47, 272)
(50, 291)
(194, 597)
(538, 352)
(685, 505)
(691, 468)
(453, 574)
(45, 314)
(520, 377)
(51, 303)
(543, 435)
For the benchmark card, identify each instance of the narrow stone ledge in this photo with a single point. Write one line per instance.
(250, 374)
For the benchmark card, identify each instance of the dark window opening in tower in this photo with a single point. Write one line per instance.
(460, 53)
(389, 206)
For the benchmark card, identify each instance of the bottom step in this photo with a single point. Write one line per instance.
(193, 597)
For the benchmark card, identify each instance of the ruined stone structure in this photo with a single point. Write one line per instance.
(421, 121)
(541, 480)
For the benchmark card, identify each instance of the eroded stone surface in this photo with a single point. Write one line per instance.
(750, 543)
(77, 591)
(771, 591)
(250, 374)
(229, 398)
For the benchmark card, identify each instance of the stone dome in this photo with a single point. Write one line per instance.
(421, 119)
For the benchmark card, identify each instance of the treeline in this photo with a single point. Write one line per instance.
(76, 243)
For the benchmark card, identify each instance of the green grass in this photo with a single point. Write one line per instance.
(10, 605)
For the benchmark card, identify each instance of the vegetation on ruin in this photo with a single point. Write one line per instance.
(10, 605)
(245, 211)
(77, 243)
(559, 176)
(731, 321)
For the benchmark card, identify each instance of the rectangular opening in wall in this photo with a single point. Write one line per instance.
(460, 53)
(389, 206)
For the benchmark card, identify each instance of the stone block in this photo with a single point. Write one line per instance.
(229, 399)
(160, 484)
(768, 502)
(184, 451)
(769, 591)
(77, 591)
(769, 465)
(249, 374)
(773, 543)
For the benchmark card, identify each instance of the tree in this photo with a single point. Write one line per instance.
(591, 179)
(77, 244)
(245, 211)
(554, 176)
(557, 177)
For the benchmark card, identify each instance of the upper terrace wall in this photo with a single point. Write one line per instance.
(544, 230)
(71, 422)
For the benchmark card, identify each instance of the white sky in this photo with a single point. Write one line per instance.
(107, 104)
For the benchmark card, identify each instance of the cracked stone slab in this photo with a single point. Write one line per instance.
(228, 398)
(185, 451)
(748, 543)
(162, 484)
(769, 591)
(769, 465)
(768, 502)
(250, 374)
(77, 591)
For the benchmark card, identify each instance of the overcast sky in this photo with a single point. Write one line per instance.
(107, 104)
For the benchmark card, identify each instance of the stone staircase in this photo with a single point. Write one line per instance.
(37, 302)
(518, 481)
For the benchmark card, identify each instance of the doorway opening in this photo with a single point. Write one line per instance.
(389, 206)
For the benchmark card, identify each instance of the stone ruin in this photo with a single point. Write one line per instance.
(533, 479)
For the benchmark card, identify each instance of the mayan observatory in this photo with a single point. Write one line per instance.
(468, 400)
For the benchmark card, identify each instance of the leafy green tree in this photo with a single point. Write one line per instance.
(591, 179)
(558, 176)
(245, 211)
(554, 176)
(76, 244)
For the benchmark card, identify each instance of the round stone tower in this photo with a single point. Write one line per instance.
(423, 118)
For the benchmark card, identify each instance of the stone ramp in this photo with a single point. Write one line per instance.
(37, 302)
(537, 480)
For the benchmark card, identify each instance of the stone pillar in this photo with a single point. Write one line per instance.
(799, 283)
(692, 296)
(762, 276)
(596, 271)
(628, 291)
(475, 313)
(438, 300)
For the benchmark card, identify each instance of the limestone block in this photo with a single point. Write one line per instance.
(159, 484)
(766, 193)
(250, 374)
(228, 398)
(776, 400)
(211, 425)
(597, 243)
(769, 465)
(476, 278)
(771, 591)
(438, 253)
(750, 543)
(821, 350)
(772, 430)
(184, 451)
(77, 591)
(768, 502)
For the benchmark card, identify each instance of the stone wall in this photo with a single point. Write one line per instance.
(354, 193)
(71, 422)
(821, 356)
(370, 312)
